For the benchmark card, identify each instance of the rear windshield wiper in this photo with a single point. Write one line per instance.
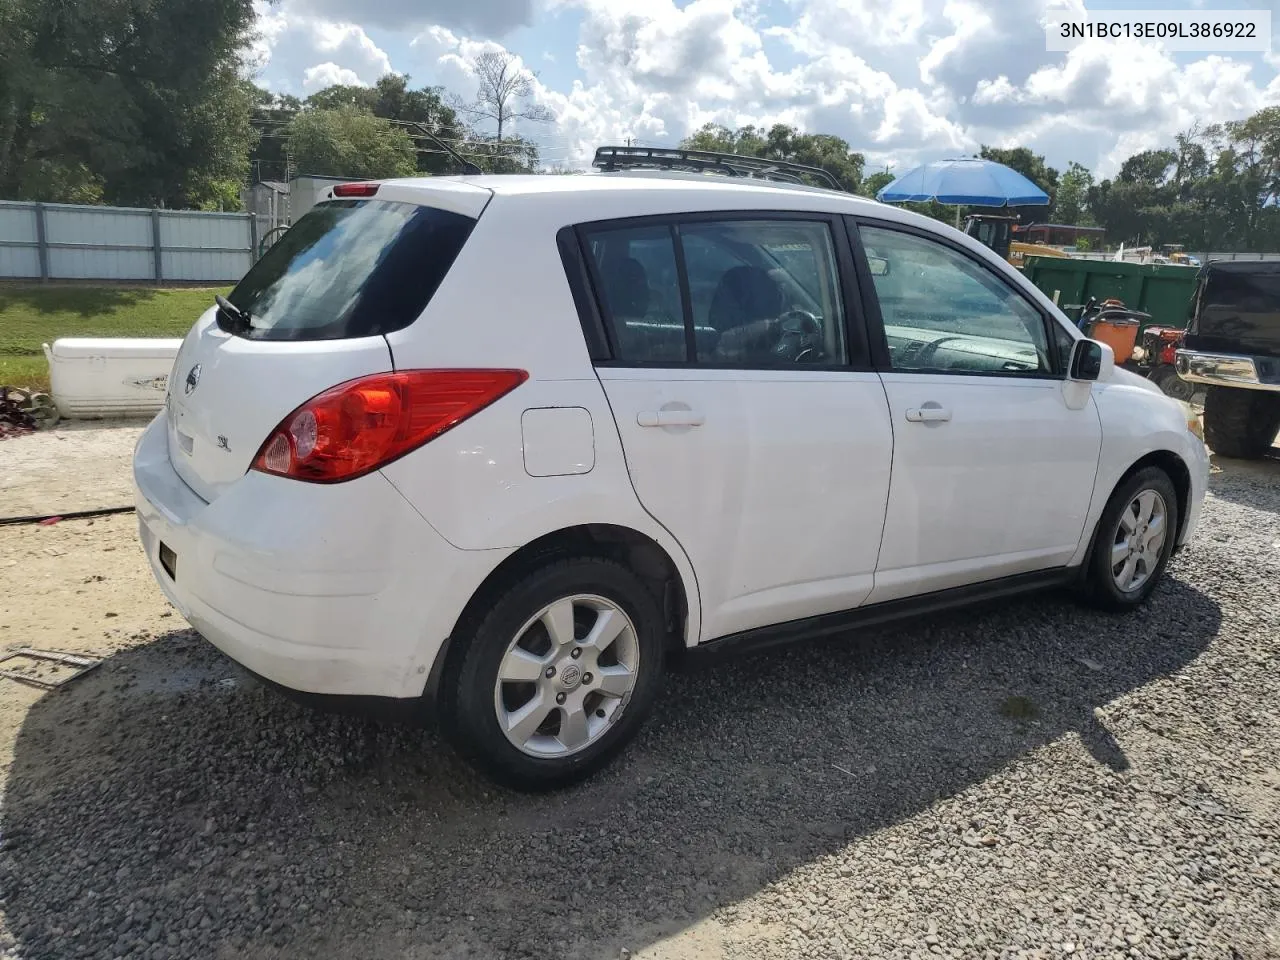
(240, 317)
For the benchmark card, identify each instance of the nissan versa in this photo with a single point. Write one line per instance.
(502, 443)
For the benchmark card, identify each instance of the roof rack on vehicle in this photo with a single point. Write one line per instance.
(609, 159)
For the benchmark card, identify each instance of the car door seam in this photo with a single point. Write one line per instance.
(888, 492)
(693, 570)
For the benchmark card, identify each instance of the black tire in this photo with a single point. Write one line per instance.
(1100, 587)
(1166, 378)
(1240, 423)
(468, 708)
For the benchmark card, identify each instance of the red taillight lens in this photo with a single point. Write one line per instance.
(356, 189)
(364, 424)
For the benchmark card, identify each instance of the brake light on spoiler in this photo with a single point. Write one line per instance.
(364, 424)
(356, 189)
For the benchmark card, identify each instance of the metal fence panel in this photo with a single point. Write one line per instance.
(18, 223)
(211, 266)
(65, 241)
(212, 247)
(96, 226)
(19, 247)
(19, 261)
(105, 263)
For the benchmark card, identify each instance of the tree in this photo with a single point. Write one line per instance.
(392, 99)
(783, 142)
(1033, 167)
(272, 113)
(1150, 167)
(1072, 201)
(504, 91)
(136, 102)
(349, 142)
(876, 182)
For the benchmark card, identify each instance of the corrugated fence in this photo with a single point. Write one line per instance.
(56, 241)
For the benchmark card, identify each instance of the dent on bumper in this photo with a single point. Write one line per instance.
(338, 589)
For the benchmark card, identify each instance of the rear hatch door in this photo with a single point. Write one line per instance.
(310, 314)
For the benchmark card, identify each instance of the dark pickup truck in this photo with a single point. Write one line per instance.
(1232, 346)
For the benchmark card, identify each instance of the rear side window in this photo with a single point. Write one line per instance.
(349, 268)
(639, 293)
(758, 293)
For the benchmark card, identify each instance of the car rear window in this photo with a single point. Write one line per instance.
(348, 268)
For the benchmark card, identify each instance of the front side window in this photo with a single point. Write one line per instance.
(947, 313)
(754, 293)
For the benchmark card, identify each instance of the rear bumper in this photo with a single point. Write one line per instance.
(1229, 370)
(326, 589)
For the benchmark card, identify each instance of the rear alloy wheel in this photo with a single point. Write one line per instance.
(1134, 540)
(559, 675)
(566, 676)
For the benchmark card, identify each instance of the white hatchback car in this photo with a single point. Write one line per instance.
(500, 444)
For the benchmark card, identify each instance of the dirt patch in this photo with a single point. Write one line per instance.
(80, 586)
(80, 465)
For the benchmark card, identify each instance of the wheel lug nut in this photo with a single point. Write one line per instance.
(560, 698)
(586, 678)
(551, 672)
(576, 652)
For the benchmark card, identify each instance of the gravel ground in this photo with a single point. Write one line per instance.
(1030, 780)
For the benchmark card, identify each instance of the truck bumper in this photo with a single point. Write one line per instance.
(1229, 370)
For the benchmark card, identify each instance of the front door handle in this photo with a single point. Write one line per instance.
(928, 414)
(670, 418)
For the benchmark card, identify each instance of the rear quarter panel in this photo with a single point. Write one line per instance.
(506, 303)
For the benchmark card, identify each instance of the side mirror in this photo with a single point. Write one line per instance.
(879, 266)
(1090, 361)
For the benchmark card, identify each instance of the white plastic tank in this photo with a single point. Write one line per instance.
(96, 377)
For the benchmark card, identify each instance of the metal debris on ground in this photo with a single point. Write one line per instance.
(80, 664)
(15, 415)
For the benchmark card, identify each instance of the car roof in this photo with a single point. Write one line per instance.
(712, 187)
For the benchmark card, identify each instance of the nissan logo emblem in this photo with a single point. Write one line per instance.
(193, 379)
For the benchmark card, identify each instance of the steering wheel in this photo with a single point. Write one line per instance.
(798, 337)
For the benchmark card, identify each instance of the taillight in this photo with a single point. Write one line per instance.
(356, 189)
(361, 425)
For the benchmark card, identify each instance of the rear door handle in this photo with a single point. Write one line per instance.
(670, 418)
(928, 414)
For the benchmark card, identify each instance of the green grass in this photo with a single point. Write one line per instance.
(32, 315)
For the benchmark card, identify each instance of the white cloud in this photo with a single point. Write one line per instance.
(326, 75)
(901, 80)
(293, 45)
(854, 24)
(653, 70)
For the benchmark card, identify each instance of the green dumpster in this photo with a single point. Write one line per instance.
(1162, 290)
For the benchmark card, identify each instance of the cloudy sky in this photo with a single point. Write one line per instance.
(901, 80)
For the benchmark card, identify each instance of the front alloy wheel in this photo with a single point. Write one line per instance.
(1137, 545)
(1134, 540)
